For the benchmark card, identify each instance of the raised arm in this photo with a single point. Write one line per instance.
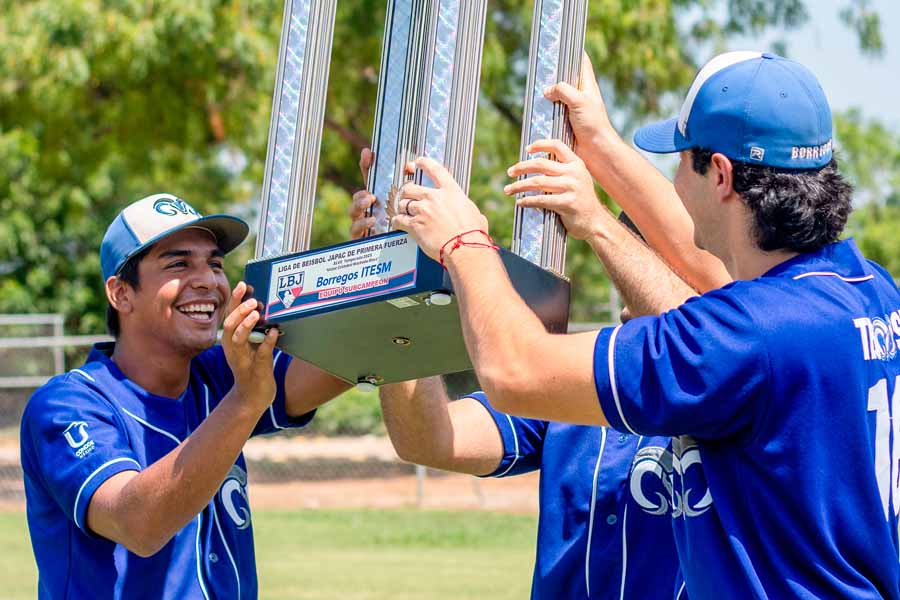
(637, 186)
(524, 370)
(143, 510)
(428, 429)
(647, 285)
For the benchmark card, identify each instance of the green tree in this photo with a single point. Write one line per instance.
(103, 101)
(869, 154)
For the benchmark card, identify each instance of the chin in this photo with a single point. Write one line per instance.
(196, 343)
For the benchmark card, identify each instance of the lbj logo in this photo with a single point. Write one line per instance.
(77, 437)
(289, 287)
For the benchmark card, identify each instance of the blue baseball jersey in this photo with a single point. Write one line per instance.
(85, 426)
(604, 529)
(784, 395)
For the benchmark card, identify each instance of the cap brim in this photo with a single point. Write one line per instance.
(230, 231)
(663, 137)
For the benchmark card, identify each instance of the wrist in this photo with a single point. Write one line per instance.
(246, 404)
(474, 238)
(464, 256)
(604, 140)
(606, 229)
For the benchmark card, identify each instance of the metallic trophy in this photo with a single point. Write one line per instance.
(378, 310)
(557, 40)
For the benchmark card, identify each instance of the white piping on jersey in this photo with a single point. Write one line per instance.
(91, 476)
(680, 591)
(215, 514)
(199, 565)
(83, 374)
(587, 553)
(611, 359)
(271, 409)
(149, 426)
(625, 541)
(624, 551)
(830, 274)
(516, 442)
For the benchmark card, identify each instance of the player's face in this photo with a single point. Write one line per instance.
(694, 191)
(182, 293)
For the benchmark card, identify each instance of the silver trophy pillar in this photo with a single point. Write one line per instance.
(557, 43)
(427, 93)
(295, 131)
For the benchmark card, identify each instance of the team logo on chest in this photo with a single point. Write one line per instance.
(233, 495)
(669, 478)
(687, 480)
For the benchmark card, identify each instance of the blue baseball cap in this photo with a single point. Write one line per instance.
(142, 224)
(753, 107)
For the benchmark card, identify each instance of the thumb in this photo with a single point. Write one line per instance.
(366, 158)
(565, 93)
(588, 77)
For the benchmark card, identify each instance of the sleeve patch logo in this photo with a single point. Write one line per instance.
(77, 437)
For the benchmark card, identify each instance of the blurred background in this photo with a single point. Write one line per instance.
(105, 101)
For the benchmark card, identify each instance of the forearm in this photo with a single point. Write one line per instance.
(153, 505)
(525, 371)
(307, 387)
(428, 429)
(648, 286)
(650, 200)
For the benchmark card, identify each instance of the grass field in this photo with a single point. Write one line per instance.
(356, 555)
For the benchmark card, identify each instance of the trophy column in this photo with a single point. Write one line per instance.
(557, 41)
(295, 130)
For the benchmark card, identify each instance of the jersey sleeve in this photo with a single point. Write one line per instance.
(276, 417)
(215, 366)
(700, 370)
(72, 442)
(523, 440)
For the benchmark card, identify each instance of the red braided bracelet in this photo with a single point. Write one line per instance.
(457, 241)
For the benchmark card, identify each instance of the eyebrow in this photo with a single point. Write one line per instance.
(217, 253)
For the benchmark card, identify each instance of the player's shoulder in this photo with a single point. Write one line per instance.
(76, 389)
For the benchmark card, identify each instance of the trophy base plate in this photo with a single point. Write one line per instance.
(395, 320)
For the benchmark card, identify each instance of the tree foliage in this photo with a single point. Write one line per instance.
(870, 157)
(104, 101)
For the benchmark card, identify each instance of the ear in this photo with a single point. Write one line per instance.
(119, 294)
(723, 175)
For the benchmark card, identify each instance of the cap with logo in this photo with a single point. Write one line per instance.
(753, 107)
(142, 224)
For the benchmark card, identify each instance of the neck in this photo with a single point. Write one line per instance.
(749, 262)
(742, 257)
(161, 373)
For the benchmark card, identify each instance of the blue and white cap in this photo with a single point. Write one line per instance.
(754, 108)
(142, 224)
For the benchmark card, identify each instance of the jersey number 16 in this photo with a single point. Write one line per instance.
(886, 470)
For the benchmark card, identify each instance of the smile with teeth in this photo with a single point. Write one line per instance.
(198, 312)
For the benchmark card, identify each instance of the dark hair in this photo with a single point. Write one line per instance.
(796, 210)
(127, 274)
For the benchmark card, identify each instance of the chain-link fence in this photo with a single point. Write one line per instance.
(343, 459)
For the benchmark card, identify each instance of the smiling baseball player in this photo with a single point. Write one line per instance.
(134, 478)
